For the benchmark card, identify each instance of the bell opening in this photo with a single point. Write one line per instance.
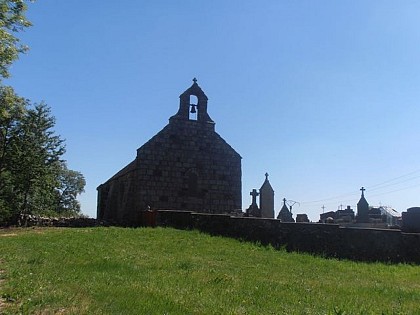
(193, 107)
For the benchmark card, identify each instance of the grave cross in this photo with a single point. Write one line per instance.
(254, 195)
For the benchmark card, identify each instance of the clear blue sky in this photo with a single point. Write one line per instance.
(322, 95)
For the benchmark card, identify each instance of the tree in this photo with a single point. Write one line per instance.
(33, 176)
(12, 20)
(37, 160)
(12, 111)
(12, 107)
(72, 183)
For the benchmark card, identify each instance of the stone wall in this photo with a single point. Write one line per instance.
(329, 240)
(79, 222)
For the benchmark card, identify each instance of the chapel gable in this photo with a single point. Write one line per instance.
(185, 166)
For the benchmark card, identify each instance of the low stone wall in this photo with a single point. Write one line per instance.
(329, 240)
(32, 220)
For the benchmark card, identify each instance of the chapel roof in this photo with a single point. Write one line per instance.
(194, 89)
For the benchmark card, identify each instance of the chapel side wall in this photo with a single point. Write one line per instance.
(329, 240)
(117, 201)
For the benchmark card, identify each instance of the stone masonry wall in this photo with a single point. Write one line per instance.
(328, 240)
(74, 222)
(185, 166)
(190, 167)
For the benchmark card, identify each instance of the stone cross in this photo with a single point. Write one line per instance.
(254, 195)
(266, 176)
(195, 80)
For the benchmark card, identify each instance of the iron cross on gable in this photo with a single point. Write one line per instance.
(195, 80)
(254, 195)
(363, 190)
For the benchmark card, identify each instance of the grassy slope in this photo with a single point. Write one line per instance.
(165, 271)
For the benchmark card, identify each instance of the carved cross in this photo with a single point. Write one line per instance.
(254, 195)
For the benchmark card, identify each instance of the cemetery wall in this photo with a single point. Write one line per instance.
(329, 240)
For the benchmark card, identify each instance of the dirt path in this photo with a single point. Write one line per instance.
(8, 234)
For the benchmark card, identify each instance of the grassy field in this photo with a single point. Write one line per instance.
(166, 271)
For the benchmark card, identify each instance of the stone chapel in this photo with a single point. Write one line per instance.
(185, 166)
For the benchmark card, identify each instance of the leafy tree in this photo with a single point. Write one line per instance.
(12, 107)
(33, 176)
(72, 183)
(12, 20)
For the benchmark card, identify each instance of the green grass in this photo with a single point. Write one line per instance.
(166, 271)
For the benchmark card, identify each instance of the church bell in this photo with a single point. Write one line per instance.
(193, 110)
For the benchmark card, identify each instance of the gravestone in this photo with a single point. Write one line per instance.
(253, 210)
(267, 199)
(411, 220)
(362, 209)
(285, 215)
(302, 218)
